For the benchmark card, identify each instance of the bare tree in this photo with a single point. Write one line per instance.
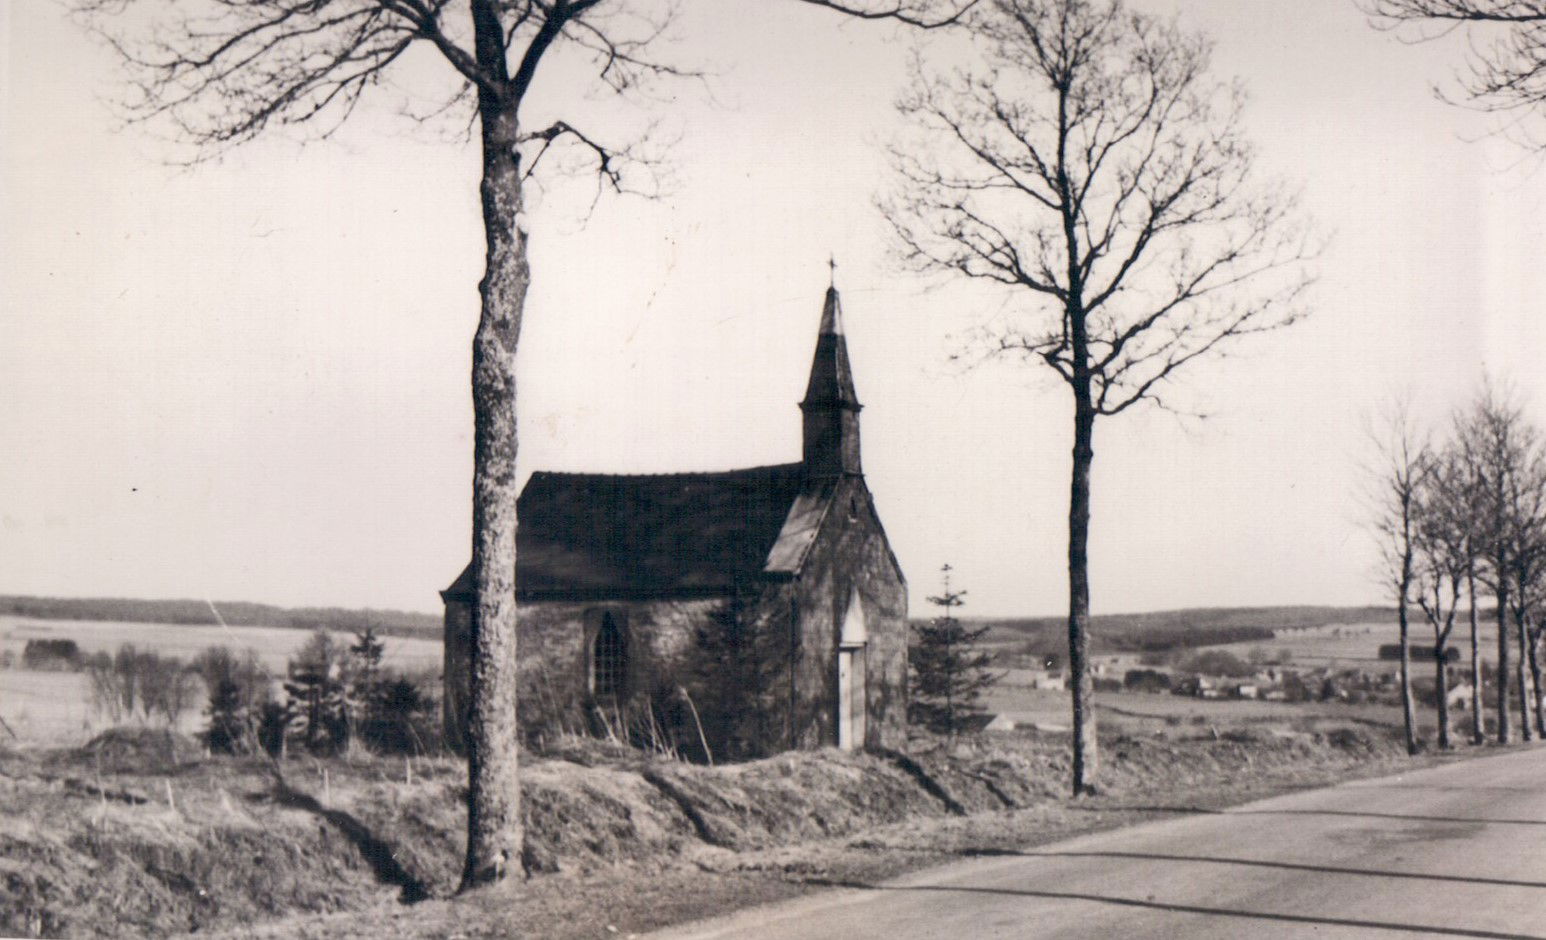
(1404, 461)
(1091, 168)
(1443, 560)
(221, 72)
(1465, 493)
(1505, 67)
(1399, 476)
(1526, 573)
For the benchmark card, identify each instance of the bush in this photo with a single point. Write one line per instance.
(141, 684)
(1218, 663)
(237, 687)
(51, 655)
(316, 703)
(1146, 680)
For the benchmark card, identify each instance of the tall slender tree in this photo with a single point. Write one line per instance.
(1404, 461)
(1443, 558)
(1527, 571)
(221, 72)
(1091, 168)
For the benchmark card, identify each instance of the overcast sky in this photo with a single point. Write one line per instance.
(249, 380)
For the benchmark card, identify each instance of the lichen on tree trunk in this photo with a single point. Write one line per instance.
(494, 832)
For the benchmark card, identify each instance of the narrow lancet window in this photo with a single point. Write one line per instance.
(609, 662)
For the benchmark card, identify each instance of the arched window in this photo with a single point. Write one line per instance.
(609, 659)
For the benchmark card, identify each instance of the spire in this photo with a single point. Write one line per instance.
(831, 406)
(832, 378)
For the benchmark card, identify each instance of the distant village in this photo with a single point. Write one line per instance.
(1268, 674)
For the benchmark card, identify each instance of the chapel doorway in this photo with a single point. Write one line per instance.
(852, 693)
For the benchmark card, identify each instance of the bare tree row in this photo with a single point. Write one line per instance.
(1461, 518)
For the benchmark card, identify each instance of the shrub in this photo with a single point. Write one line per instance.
(142, 684)
(237, 686)
(1146, 680)
(1218, 663)
(317, 705)
(52, 655)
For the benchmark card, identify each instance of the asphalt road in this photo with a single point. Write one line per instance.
(1455, 851)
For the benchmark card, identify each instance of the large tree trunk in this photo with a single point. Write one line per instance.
(1522, 677)
(1408, 713)
(1501, 675)
(1441, 689)
(1478, 727)
(494, 833)
(1081, 682)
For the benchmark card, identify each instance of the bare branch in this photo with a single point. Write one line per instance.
(920, 13)
(1505, 65)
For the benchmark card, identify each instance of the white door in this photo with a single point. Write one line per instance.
(845, 692)
(850, 698)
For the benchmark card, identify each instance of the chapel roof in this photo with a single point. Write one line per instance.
(660, 534)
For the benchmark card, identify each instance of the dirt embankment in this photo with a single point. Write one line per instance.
(144, 835)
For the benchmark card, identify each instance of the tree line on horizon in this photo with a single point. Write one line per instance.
(188, 612)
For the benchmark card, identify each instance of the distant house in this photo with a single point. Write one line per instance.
(757, 610)
(1049, 679)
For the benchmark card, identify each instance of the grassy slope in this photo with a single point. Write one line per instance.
(121, 840)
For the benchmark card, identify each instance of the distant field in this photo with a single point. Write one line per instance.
(234, 613)
(54, 708)
(274, 645)
(1173, 629)
(1141, 713)
(1356, 645)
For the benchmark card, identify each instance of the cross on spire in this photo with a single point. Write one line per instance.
(832, 264)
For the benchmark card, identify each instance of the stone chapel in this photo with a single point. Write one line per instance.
(737, 613)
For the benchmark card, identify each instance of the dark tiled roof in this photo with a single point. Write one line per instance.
(660, 534)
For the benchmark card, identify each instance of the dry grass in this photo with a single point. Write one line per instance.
(141, 834)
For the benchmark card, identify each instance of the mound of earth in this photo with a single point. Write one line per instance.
(129, 749)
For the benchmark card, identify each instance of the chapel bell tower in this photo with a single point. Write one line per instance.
(831, 407)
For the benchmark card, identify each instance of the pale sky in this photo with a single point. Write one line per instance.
(249, 380)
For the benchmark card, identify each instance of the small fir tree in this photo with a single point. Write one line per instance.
(949, 672)
(317, 707)
(238, 686)
(364, 680)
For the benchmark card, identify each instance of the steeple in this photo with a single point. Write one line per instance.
(831, 406)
